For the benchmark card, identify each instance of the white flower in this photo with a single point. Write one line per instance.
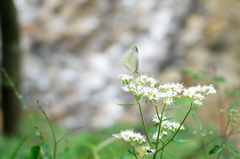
(124, 78)
(130, 136)
(198, 93)
(165, 125)
(156, 120)
(170, 91)
(147, 149)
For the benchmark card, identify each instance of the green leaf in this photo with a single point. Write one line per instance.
(45, 147)
(153, 130)
(131, 151)
(195, 107)
(19, 146)
(219, 150)
(215, 149)
(139, 98)
(197, 121)
(180, 140)
(234, 152)
(219, 79)
(165, 110)
(35, 152)
(231, 145)
(169, 154)
(168, 118)
(233, 105)
(126, 105)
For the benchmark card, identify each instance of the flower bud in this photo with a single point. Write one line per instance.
(221, 111)
(195, 132)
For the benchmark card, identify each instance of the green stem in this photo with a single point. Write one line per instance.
(226, 127)
(203, 148)
(161, 155)
(224, 134)
(224, 142)
(169, 136)
(54, 137)
(177, 129)
(135, 152)
(159, 127)
(143, 122)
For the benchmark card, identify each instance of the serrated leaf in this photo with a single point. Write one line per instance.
(214, 149)
(153, 130)
(126, 105)
(197, 121)
(35, 152)
(234, 152)
(219, 79)
(169, 154)
(131, 151)
(180, 140)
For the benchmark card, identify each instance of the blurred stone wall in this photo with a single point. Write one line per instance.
(73, 51)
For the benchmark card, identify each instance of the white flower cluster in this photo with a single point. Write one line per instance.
(198, 93)
(147, 149)
(166, 125)
(124, 78)
(170, 91)
(146, 87)
(130, 136)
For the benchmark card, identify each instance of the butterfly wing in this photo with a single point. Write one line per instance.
(131, 60)
(136, 57)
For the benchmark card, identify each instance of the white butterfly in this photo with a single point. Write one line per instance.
(131, 60)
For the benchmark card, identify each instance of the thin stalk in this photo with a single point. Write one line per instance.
(169, 136)
(53, 134)
(143, 123)
(135, 152)
(144, 156)
(177, 129)
(161, 155)
(159, 127)
(226, 126)
(224, 142)
(204, 152)
(133, 149)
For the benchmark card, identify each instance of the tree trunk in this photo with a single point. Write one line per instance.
(11, 62)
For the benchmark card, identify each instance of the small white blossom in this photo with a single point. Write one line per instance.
(156, 120)
(147, 149)
(198, 93)
(165, 125)
(170, 91)
(130, 136)
(124, 78)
